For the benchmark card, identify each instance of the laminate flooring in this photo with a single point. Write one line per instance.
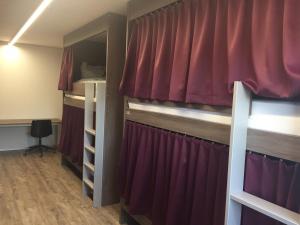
(40, 191)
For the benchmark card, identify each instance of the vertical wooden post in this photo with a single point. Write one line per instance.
(88, 124)
(99, 142)
(237, 151)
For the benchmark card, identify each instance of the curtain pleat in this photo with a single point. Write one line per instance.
(146, 55)
(193, 51)
(66, 72)
(164, 51)
(182, 53)
(72, 130)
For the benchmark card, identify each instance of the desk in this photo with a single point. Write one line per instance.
(23, 122)
(15, 134)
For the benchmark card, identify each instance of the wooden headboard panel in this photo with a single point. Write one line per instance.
(75, 97)
(78, 89)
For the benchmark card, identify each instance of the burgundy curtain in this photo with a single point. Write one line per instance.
(66, 70)
(176, 180)
(72, 130)
(171, 178)
(193, 51)
(274, 180)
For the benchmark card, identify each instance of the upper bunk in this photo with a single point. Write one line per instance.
(90, 58)
(98, 52)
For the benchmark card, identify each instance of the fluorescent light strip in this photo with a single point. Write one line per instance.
(31, 20)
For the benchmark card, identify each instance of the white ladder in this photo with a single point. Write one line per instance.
(95, 92)
(236, 197)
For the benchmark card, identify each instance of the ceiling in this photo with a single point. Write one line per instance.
(60, 18)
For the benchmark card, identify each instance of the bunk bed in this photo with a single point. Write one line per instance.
(279, 146)
(174, 167)
(93, 109)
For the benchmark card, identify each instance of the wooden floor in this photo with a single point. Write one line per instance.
(39, 191)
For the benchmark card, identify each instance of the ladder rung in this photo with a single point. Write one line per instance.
(267, 208)
(91, 131)
(90, 149)
(90, 166)
(88, 183)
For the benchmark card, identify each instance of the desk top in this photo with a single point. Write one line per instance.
(23, 122)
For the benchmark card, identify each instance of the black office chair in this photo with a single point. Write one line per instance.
(40, 129)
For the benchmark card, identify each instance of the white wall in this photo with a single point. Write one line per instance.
(18, 138)
(28, 90)
(28, 82)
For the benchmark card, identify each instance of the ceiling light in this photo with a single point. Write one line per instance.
(9, 53)
(31, 20)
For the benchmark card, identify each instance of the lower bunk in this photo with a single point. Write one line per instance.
(173, 179)
(71, 140)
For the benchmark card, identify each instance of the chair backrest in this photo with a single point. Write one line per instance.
(41, 128)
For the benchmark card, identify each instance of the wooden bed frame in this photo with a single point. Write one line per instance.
(278, 145)
(114, 28)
